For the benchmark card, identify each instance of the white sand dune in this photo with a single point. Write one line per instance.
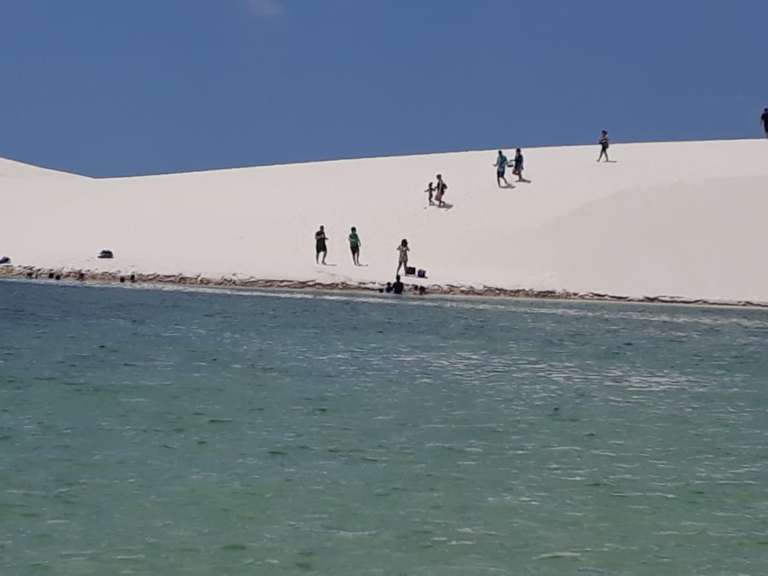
(677, 219)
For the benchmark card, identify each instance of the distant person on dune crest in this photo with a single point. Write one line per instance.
(517, 170)
(320, 246)
(604, 144)
(764, 118)
(354, 246)
(441, 188)
(501, 167)
(430, 193)
(402, 261)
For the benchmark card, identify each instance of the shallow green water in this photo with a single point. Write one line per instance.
(166, 433)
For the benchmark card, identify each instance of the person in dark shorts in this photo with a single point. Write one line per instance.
(320, 245)
(764, 118)
(501, 167)
(604, 144)
(397, 286)
(354, 246)
(518, 165)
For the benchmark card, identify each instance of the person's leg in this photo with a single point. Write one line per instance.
(317, 257)
(325, 253)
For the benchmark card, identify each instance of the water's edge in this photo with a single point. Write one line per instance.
(233, 282)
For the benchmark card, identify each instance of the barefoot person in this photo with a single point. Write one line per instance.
(430, 192)
(604, 144)
(518, 165)
(441, 188)
(501, 167)
(402, 261)
(354, 246)
(320, 246)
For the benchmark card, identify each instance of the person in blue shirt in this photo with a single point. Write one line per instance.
(501, 167)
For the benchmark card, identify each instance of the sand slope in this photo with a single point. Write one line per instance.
(679, 219)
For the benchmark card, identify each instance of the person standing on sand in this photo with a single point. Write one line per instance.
(604, 144)
(402, 261)
(518, 165)
(764, 118)
(354, 246)
(441, 188)
(320, 246)
(501, 167)
(430, 191)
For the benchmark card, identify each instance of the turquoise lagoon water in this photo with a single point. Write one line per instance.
(149, 432)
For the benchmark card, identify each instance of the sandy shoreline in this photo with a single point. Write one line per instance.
(232, 282)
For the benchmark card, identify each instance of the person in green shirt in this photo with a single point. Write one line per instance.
(354, 246)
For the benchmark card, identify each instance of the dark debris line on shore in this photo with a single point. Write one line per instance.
(100, 277)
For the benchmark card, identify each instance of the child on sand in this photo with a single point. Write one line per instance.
(320, 246)
(354, 246)
(501, 166)
(403, 258)
(441, 188)
(430, 191)
(604, 143)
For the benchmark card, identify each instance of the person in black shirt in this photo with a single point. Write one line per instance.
(604, 144)
(320, 246)
(764, 118)
(397, 287)
(518, 165)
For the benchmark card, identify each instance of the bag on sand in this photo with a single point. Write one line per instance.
(410, 270)
(421, 273)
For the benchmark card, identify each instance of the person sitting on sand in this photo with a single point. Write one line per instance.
(403, 258)
(441, 188)
(501, 167)
(354, 246)
(397, 286)
(320, 245)
(604, 144)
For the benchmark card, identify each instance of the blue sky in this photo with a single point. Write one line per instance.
(119, 87)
